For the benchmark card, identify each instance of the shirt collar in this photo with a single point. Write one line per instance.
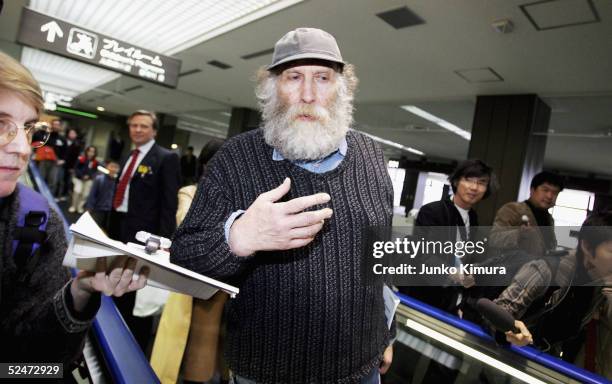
(145, 148)
(276, 155)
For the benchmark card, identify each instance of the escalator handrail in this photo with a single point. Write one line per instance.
(124, 358)
(529, 353)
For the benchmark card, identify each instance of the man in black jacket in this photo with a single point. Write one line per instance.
(145, 200)
(453, 220)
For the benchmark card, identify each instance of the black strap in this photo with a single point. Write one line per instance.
(28, 235)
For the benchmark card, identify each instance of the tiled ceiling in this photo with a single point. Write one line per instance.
(419, 65)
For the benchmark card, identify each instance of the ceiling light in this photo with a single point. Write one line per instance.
(473, 353)
(200, 129)
(441, 122)
(61, 75)
(76, 112)
(393, 144)
(164, 26)
(101, 109)
(205, 120)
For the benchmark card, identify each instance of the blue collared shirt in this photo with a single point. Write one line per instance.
(326, 164)
(323, 165)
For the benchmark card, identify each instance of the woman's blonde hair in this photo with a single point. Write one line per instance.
(14, 77)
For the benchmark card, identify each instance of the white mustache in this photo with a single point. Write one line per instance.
(317, 112)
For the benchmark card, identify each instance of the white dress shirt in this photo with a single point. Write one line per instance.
(143, 150)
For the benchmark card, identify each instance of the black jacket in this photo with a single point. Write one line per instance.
(445, 215)
(152, 200)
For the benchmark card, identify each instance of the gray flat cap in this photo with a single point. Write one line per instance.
(306, 43)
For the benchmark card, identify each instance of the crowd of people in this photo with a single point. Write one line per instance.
(280, 211)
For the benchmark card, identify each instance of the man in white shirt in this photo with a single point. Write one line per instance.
(145, 200)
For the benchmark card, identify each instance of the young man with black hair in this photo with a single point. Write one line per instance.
(527, 225)
(472, 181)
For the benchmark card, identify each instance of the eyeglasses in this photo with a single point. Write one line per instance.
(37, 132)
(480, 183)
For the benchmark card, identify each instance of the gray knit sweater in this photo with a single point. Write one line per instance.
(303, 315)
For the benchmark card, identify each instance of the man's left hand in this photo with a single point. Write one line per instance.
(116, 282)
(386, 361)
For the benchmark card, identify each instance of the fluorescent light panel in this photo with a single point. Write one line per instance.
(164, 26)
(205, 120)
(62, 75)
(393, 144)
(201, 129)
(473, 353)
(436, 120)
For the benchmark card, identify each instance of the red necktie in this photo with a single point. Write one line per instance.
(125, 180)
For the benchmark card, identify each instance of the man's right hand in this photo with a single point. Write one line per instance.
(268, 225)
(522, 338)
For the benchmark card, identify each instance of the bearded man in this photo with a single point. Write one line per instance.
(262, 219)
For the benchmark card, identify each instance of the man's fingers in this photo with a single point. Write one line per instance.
(124, 282)
(118, 262)
(306, 232)
(278, 192)
(306, 219)
(143, 275)
(522, 338)
(386, 361)
(524, 331)
(516, 339)
(301, 203)
(99, 282)
(298, 243)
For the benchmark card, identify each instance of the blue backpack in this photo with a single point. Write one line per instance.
(30, 232)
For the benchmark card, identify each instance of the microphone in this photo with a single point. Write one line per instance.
(499, 317)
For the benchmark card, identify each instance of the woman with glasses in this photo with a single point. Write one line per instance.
(44, 315)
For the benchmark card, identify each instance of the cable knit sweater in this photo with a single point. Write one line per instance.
(37, 322)
(303, 315)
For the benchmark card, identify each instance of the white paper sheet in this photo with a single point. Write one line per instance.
(89, 243)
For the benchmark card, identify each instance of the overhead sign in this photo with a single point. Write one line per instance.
(54, 35)
(53, 99)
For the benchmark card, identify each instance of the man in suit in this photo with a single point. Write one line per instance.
(145, 199)
(453, 220)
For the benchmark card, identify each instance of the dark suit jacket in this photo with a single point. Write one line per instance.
(153, 197)
(443, 214)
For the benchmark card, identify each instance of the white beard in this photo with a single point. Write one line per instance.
(306, 140)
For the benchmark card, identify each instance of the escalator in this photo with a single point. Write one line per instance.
(435, 347)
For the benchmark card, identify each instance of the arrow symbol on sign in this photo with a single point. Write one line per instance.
(52, 29)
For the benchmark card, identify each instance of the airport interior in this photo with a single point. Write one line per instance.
(521, 85)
